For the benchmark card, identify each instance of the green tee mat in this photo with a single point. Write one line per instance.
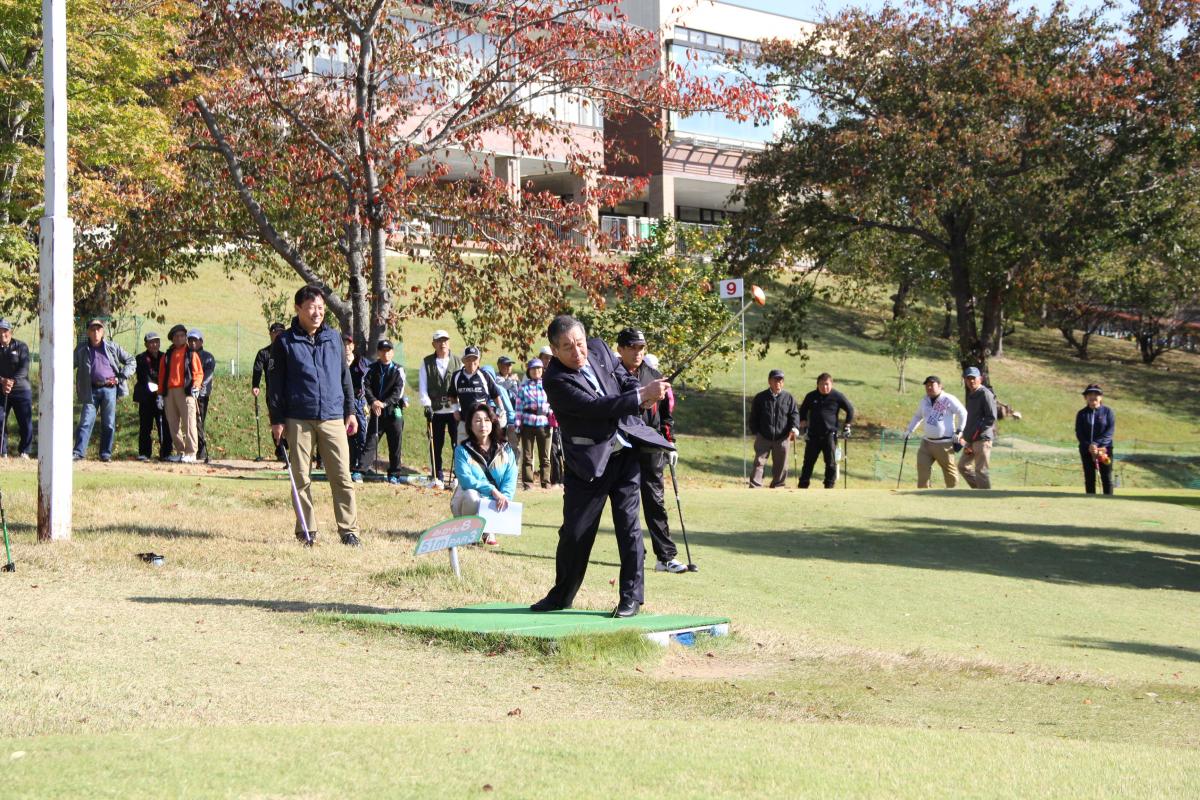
(517, 620)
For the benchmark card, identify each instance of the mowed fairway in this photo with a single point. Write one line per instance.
(911, 644)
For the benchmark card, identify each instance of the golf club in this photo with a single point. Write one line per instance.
(9, 566)
(903, 452)
(794, 460)
(846, 458)
(4, 428)
(287, 464)
(679, 505)
(757, 296)
(257, 429)
(432, 466)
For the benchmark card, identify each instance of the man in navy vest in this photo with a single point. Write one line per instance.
(596, 403)
(311, 402)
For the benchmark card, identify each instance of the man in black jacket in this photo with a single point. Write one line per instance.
(152, 423)
(631, 347)
(597, 402)
(209, 363)
(384, 388)
(819, 421)
(774, 421)
(16, 392)
(262, 371)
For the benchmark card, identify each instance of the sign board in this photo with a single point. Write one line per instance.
(731, 289)
(455, 532)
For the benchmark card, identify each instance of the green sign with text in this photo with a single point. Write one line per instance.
(455, 532)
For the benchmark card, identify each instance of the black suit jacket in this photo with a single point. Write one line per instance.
(589, 422)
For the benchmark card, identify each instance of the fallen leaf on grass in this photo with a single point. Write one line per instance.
(516, 712)
(487, 787)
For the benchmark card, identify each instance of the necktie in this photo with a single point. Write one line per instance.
(591, 378)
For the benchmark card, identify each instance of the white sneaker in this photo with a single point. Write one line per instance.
(143, 458)
(24, 456)
(188, 459)
(674, 565)
(173, 459)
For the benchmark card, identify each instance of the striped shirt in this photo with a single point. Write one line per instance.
(532, 407)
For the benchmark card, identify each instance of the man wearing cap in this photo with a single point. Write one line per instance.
(597, 403)
(384, 388)
(819, 422)
(510, 383)
(262, 363)
(774, 421)
(943, 417)
(433, 388)
(151, 422)
(311, 401)
(470, 387)
(979, 432)
(533, 424)
(1095, 425)
(631, 349)
(102, 369)
(16, 392)
(180, 374)
(209, 364)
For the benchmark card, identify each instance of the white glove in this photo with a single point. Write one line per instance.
(152, 386)
(158, 401)
(502, 417)
(195, 393)
(672, 457)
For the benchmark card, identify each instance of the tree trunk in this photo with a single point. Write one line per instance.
(972, 350)
(901, 387)
(1080, 345)
(900, 301)
(381, 295)
(992, 333)
(948, 320)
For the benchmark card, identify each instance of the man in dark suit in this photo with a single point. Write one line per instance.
(596, 403)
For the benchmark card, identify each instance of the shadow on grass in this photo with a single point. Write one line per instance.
(549, 557)
(933, 544)
(1137, 648)
(287, 606)
(136, 530)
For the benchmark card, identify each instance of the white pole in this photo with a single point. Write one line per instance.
(744, 476)
(56, 291)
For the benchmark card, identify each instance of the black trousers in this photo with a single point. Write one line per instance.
(823, 444)
(654, 503)
(201, 416)
(442, 424)
(1089, 471)
(390, 427)
(21, 406)
(557, 463)
(583, 502)
(152, 425)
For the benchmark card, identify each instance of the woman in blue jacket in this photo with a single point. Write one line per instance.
(485, 467)
(1094, 427)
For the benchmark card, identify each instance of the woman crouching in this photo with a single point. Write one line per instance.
(485, 467)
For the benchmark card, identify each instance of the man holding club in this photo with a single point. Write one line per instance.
(433, 389)
(819, 422)
(978, 432)
(943, 417)
(152, 422)
(631, 347)
(311, 402)
(597, 406)
(774, 421)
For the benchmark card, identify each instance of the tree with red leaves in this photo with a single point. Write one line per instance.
(337, 131)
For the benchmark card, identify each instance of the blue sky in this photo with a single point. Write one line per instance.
(813, 9)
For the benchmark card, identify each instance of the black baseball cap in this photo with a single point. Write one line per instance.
(630, 336)
(471, 352)
(932, 379)
(1093, 388)
(502, 360)
(775, 373)
(384, 344)
(276, 326)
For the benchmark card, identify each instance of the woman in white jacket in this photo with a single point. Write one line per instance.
(943, 416)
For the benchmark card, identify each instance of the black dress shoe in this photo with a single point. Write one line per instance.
(546, 604)
(350, 540)
(626, 608)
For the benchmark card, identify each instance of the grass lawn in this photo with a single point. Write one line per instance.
(889, 644)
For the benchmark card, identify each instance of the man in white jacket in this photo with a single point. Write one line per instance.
(944, 417)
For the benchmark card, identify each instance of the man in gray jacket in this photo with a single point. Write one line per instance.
(979, 432)
(102, 368)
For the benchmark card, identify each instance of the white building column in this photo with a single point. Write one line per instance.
(662, 196)
(56, 296)
(508, 169)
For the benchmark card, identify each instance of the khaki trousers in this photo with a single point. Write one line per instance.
(974, 468)
(181, 421)
(304, 436)
(943, 453)
(779, 457)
